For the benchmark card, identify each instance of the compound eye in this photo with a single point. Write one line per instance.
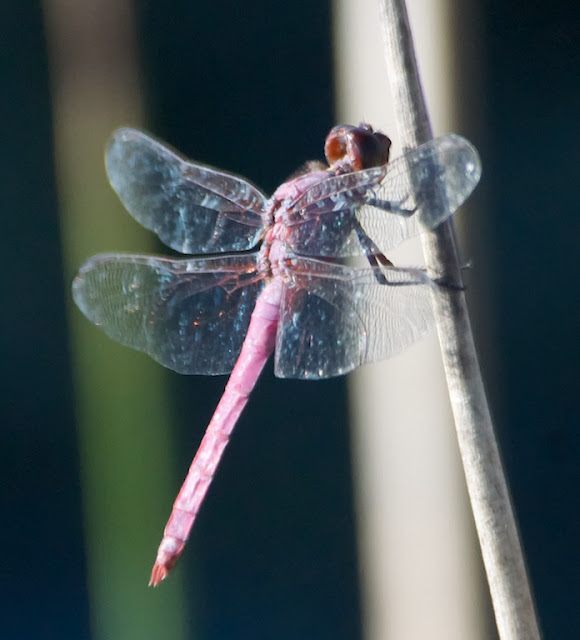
(335, 146)
(356, 148)
(372, 148)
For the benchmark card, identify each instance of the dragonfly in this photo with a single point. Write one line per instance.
(302, 274)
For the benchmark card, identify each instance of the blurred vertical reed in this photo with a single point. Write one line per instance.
(122, 399)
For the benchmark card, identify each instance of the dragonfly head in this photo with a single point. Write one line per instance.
(350, 148)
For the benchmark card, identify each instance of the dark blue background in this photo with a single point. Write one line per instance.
(263, 108)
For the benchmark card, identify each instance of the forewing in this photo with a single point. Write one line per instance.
(335, 318)
(419, 190)
(426, 186)
(190, 315)
(322, 222)
(192, 208)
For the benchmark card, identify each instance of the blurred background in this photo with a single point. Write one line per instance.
(95, 439)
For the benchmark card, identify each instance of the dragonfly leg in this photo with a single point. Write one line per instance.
(392, 207)
(374, 255)
(445, 282)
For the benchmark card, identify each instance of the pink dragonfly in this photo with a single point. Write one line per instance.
(301, 294)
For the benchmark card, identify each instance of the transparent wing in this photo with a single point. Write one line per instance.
(391, 203)
(335, 318)
(192, 208)
(190, 315)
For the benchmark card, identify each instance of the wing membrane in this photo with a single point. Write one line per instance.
(190, 315)
(192, 208)
(391, 203)
(335, 318)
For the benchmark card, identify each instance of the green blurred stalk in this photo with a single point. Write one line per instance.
(122, 400)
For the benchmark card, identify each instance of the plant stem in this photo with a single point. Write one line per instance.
(488, 492)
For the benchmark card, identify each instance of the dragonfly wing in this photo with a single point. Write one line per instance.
(336, 318)
(419, 190)
(323, 220)
(190, 315)
(423, 188)
(191, 207)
